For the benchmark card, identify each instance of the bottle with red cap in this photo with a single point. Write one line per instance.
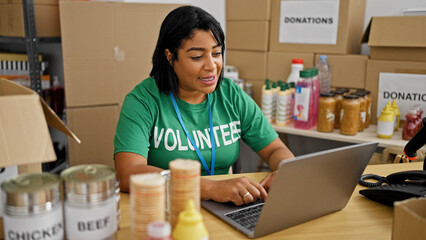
(296, 67)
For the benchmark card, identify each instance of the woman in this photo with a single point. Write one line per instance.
(186, 90)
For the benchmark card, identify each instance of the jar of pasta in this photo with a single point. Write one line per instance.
(349, 115)
(345, 90)
(326, 110)
(338, 96)
(362, 110)
(368, 117)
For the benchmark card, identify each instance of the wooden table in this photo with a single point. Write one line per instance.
(360, 219)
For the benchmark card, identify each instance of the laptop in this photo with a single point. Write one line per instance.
(304, 188)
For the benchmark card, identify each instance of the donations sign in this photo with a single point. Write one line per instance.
(407, 90)
(309, 22)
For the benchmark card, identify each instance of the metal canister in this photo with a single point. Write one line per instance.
(90, 202)
(32, 207)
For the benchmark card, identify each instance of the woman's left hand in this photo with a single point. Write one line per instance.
(267, 181)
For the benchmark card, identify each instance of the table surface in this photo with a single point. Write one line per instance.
(360, 219)
(368, 135)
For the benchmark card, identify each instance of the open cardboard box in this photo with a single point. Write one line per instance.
(396, 38)
(409, 221)
(24, 136)
(24, 116)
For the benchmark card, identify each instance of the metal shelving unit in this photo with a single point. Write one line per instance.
(31, 42)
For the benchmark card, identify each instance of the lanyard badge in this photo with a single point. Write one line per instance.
(209, 172)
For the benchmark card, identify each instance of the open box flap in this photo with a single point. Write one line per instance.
(10, 88)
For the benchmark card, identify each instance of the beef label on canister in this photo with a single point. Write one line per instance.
(32, 207)
(90, 202)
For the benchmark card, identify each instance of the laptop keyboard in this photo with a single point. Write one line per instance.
(246, 217)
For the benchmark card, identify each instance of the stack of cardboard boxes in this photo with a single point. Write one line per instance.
(46, 18)
(107, 51)
(397, 45)
(258, 54)
(247, 38)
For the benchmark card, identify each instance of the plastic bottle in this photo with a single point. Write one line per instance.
(409, 129)
(249, 89)
(324, 73)
(292, 87)
(267, 81)
(397, 115)
(316, 95)
(275, 89)
(385, 123)
(57, 94)
(303, 102)
(159, 230)
(419, 113)
(190, 225)
(283, 106)
(296, 67)
(267, 99)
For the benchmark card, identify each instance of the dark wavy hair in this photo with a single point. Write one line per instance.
(179, 25)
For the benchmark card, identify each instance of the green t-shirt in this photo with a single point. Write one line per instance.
(149, 126)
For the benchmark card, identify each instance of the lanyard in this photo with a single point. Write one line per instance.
(192, 140)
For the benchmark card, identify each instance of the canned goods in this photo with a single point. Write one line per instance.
(32, 207)
(90, 207)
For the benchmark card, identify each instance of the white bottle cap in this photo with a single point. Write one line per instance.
(159, 229)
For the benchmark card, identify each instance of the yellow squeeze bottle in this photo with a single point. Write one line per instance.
(397, 114)
(190, 225)
(385, 123)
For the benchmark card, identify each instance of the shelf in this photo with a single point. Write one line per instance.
(22, 40)
(368, 135)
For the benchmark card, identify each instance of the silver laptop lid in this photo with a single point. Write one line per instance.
(313, 185)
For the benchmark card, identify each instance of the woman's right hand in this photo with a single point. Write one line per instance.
(240, 191)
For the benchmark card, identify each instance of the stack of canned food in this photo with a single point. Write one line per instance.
(33, 207)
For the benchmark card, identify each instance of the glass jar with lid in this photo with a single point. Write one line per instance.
(326, 112)
(362, 110)
(338, 96)
(368, 106)
(349, 115)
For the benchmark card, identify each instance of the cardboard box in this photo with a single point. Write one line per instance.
(25, 138)
(250, 64)
(24, 117)
(397, 38)
(46, 20)
(96, 127)
(349, 30)
(248, 10)
(39, 2)
(107, 49)
(279, 64)
(375, 67)
(409, 221)
(247, 35)
(348, 71)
